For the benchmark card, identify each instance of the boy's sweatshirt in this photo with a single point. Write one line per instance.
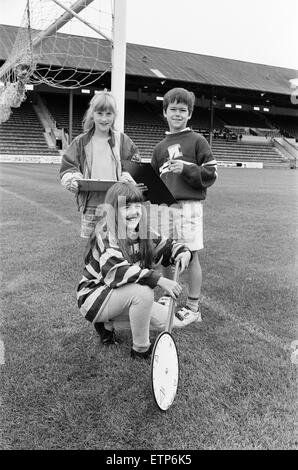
(199, 165)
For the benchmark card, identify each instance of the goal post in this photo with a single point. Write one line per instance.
(42, 53)
(73, 12)
(119, 60)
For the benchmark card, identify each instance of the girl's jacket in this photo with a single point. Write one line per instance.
(107, 269)
(78, 158)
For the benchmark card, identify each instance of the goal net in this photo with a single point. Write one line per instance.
(60, 43)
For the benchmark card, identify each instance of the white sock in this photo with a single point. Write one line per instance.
(192, 304)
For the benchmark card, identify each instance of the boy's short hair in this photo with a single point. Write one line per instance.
(180, 95)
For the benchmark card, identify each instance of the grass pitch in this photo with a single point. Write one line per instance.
(60, 389)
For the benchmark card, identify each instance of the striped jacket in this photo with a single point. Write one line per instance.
(107, 269)
(199, 165)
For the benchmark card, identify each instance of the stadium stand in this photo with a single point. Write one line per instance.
(150, 72)
(145, 125)
(58, 106)
(243, 118)
(201, 119)
(146, 137)
(145, 113)
(288, 125)
(247, 152)
(22, 134)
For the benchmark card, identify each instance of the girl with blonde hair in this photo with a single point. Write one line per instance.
(97, 153)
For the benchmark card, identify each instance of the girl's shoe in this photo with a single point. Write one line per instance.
(107, 337)
(143, 355)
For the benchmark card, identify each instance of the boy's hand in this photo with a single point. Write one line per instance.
(136, 158)
(175, 166)
(184, 259)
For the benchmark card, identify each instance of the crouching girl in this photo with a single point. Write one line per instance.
(120, 276)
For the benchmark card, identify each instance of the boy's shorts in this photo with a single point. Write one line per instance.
(184, 223)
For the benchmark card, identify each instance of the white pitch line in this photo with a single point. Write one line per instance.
(2, 353)
(248, 326)
(41, 206)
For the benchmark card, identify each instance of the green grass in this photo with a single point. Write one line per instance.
(60, 389)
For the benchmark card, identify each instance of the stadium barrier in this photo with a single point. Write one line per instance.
(30, 158)
(240, 164)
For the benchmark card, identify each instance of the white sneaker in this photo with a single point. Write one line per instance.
(185, 316)
(164, 300)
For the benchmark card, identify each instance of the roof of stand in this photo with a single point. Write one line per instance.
(154, 62)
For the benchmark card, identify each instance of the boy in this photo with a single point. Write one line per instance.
(184, 161)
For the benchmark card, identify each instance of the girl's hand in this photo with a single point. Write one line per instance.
(170, 287)
(142, 187)
(70, 181)
(74, 187)
(126, 178)
(183, 259)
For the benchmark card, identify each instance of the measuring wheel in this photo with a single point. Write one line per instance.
(165, 362)
(164, 371)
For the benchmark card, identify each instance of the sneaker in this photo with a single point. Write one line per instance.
(164, 300)
(142, 355)
(107, 337)
(185, 316)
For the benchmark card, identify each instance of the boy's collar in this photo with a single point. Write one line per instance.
(183, 130)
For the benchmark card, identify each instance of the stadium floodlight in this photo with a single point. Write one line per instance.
(256, 108)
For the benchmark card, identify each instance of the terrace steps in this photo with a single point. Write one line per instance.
(22, 134)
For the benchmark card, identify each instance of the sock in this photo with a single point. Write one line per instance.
(192, 303)
(137, 348)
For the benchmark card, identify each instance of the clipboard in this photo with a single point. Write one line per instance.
(95, 185)
(157, 193)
